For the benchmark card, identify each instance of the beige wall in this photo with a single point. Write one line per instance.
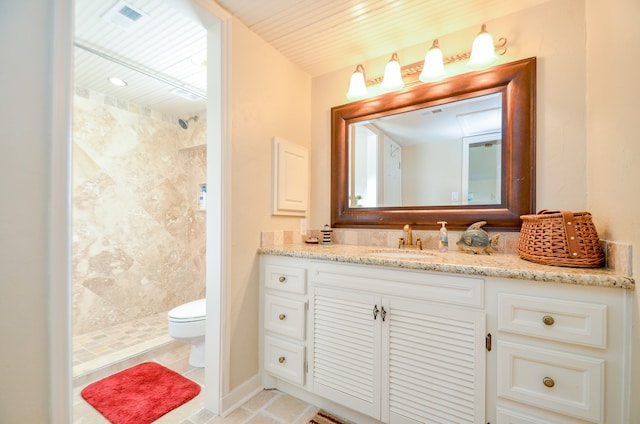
(269, 96)
(138, 234)
(613, 140)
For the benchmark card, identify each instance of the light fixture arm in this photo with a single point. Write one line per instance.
(501, 46)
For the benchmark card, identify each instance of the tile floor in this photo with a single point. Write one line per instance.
(105, 352)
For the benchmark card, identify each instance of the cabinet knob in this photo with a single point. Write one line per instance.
(548, 381)
(548, 320)
(282, 279)
(281, 317)
(281, 360)
(375, 311)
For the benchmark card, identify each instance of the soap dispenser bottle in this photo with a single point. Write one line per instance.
(443, 238)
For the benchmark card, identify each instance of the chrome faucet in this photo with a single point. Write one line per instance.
(408, 243)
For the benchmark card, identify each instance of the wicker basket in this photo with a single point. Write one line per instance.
(560, 238)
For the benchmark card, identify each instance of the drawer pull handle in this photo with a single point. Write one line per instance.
(548, 381)
(281, 359)
(548, 320)
(375, 312)
(282, 279)
(282, 317)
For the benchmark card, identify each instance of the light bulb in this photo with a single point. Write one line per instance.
(357, 86)
(433, 67)
(392, 79)
(483, 51)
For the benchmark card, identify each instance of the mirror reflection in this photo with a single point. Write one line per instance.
(448, 154)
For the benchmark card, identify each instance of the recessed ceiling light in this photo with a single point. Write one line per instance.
(117, 81)
(199, 59)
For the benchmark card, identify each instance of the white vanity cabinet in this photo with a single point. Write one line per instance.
(560, 353)
(405, 346)
(398, 346)
(283, 316)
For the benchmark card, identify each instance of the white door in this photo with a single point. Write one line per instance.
(346, 348)
(435, 359)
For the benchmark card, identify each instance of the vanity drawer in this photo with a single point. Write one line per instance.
(554, 319)
(506, 416)
(285, 278)
(285, 316)
(284, 359)
(561, 382)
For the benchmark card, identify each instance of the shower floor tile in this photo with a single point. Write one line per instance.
(102, 348)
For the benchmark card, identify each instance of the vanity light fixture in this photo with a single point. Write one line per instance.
(483, 51)
(433, 67)
(392, 79)
(357, 86)
(482, 55)
(118, 81)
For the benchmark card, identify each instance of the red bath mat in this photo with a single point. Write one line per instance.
(140, 394)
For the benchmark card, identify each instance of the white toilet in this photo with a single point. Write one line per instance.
(187, 323)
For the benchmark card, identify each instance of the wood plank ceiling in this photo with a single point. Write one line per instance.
(320, 36)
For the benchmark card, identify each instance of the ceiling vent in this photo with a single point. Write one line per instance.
(125, 15)
(186, 94)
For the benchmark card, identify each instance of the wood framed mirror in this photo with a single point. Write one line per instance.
(384, 176)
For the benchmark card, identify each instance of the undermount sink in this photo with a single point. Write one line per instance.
(401, 254)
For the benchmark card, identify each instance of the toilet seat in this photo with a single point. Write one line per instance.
(189, 312)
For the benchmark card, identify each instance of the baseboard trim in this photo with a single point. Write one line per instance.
(241, 394)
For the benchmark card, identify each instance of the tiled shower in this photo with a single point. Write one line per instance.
(138, 232)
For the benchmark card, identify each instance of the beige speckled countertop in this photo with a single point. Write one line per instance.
(495, 265)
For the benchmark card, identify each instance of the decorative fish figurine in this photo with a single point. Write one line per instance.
(476, 240)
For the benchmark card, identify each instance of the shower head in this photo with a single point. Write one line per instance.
(185, 123)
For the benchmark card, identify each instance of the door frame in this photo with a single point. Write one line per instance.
(218, 24)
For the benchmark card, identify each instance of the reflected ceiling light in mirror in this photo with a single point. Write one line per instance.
(357, 86)
(433, 67)
(392, 79)
(483, 51)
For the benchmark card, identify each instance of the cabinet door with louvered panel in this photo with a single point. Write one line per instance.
(346, 348)
(434, 355)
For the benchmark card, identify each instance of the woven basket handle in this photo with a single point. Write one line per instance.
(568, 221)
(570, 232)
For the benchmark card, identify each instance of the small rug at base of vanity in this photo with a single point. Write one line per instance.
(322, 417)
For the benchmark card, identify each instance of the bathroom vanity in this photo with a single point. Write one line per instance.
(376, 335)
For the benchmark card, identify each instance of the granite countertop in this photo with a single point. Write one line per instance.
(494, 265)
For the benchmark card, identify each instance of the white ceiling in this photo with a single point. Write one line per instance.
(320, 36)
(449, 121)
(161, 46)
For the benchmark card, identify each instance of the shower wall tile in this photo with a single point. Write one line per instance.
(138, 238)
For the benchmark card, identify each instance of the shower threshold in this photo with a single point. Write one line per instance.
(103, 352)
